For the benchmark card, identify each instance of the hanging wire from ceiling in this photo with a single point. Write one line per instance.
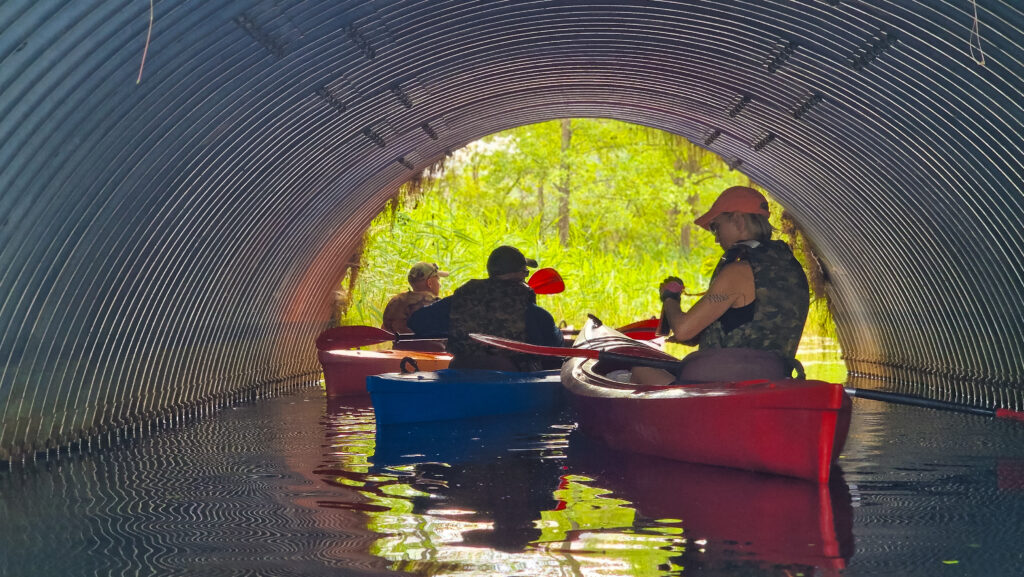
(976, 36)
(145, 50)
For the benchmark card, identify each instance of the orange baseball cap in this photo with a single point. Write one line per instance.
(735, 199)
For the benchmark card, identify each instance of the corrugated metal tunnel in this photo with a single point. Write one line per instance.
(181, 189)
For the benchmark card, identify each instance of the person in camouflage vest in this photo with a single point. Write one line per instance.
(425, 280)
(501, 305)
(748, 324)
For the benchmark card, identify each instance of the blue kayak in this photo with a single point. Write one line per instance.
(460, 394)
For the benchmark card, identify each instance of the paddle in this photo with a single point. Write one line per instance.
(933, 404)
(662, 329)
(640, 330)
(640, 357)
(354, 336)
(649, 324)
(544, 281)
(654, 360)
(645, 330)
(642, 334)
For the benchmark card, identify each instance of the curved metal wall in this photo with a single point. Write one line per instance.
(173, 243)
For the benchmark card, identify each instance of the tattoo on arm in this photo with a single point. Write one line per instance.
(717, 297)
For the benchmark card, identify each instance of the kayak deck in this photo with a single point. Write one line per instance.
(345, 370)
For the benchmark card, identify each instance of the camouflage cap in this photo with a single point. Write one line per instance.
(423, 271)
(506, 259)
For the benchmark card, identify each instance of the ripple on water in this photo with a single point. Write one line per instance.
(290, 486)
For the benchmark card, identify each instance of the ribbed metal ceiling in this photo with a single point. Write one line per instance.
(173, 243)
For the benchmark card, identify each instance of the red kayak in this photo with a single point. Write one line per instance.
(789, 427)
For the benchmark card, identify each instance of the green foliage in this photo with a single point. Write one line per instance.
(633, 195)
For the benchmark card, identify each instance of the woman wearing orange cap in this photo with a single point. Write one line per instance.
(749, 322)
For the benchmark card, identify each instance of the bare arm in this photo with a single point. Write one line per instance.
(732, 288)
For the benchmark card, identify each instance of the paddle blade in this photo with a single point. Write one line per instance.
(351, 337)
(541, 350)
(642, 334)
(546, 281)
(649, 324)
(640, 330)
(1008, 414)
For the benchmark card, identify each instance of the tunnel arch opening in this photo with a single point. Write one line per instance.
(656, 181)
(169, 244)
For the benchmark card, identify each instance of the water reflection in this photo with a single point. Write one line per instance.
(529, 496)
(719, 519)
(938, 494)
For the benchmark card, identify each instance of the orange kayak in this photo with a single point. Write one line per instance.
(345, 370)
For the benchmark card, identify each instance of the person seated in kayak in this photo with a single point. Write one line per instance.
(501, 305)
(749, 322)
(425, 281)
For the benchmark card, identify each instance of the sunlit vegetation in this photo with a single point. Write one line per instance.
(609, 205)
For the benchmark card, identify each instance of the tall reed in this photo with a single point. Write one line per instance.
(624, 236)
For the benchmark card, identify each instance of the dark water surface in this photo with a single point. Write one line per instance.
(294, 486)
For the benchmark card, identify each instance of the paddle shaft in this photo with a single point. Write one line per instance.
(607, 356)
(663, 329)
(933, 404)
(347, 337)
(674, 366)
(401, 337)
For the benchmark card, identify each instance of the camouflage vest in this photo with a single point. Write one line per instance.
(492, 307)
(781, 300)
(400, 308)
